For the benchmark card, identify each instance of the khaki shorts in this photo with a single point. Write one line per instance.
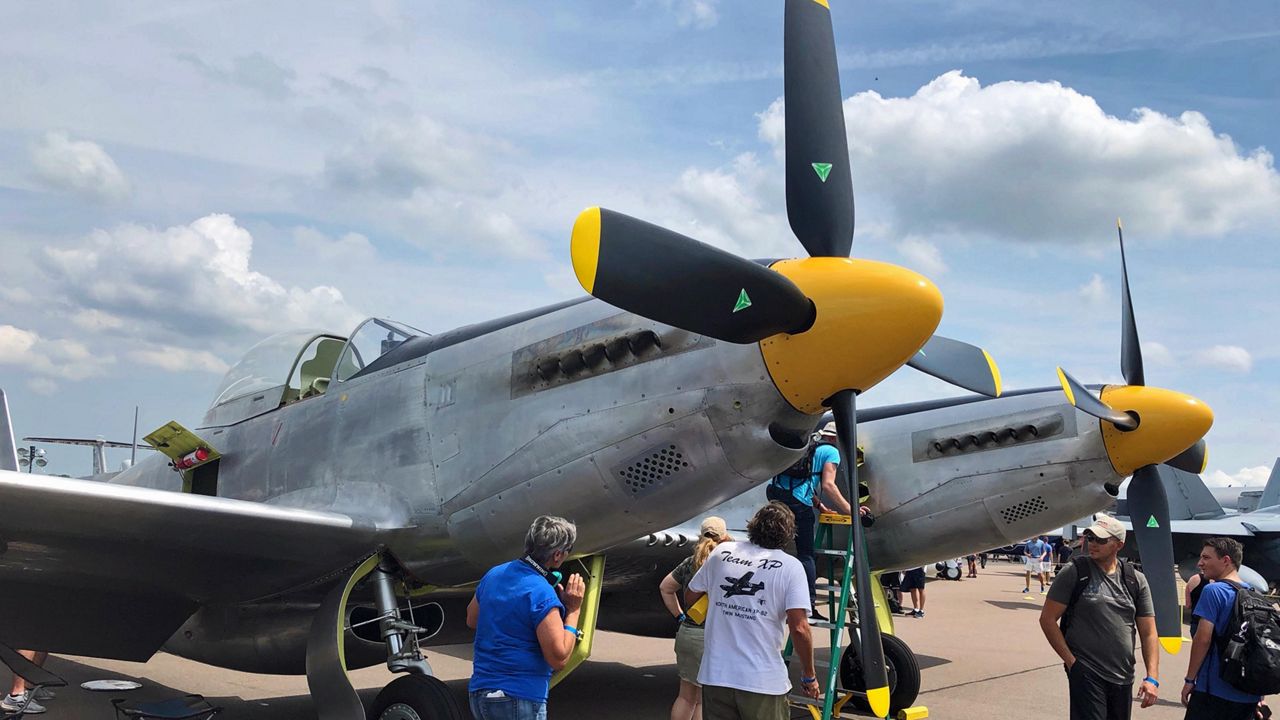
(723, 703)
(689, 641)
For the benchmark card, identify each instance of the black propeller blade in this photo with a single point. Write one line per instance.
(622, 261)
(1149, 514)
(870, 650)
(1148, 504)
(1087, 402)
(1130, 350)
(819, 187)
(1191, 460)
(959, 363)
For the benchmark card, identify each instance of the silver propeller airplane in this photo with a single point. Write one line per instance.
(961, 475)
(334, 476)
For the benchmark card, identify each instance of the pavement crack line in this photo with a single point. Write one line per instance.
(993, 677)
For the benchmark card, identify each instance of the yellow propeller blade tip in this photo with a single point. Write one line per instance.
(1066, 387)
(995, 371)
(1171, 645)
(878, 698)
(823, 3)
(584, 247)
(1204, 462)
(1118, 224)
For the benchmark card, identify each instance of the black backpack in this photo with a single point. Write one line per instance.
(1084, 573)
(800, 471)
(1249, 645)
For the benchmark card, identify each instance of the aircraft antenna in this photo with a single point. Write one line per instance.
(133, 454)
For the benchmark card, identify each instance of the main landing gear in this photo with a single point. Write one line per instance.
(900, 665)
(415, 696)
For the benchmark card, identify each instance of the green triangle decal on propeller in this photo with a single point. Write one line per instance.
(743, 301)
(1151, 522)
(823, 170)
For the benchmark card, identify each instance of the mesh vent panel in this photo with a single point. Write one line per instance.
(661, 464)
(1024, 510)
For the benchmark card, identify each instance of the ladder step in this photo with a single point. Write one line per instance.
(822, 624)
(828, 587)
(827, 551)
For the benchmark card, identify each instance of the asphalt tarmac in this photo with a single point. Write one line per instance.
(979, 646)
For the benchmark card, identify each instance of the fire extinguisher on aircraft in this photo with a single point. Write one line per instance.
(191, 459)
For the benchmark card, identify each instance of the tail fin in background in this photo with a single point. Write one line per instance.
(8, 448)
(1271, 493)
(1189, 498)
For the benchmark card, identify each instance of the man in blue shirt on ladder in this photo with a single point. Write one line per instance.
(798, 488)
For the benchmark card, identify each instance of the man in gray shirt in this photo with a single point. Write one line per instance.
(1102, 620)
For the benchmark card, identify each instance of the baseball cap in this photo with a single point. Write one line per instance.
(1106, 526)
(828, 429)
(713, 527)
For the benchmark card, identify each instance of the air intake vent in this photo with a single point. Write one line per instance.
(1024, 510)
(644, 472)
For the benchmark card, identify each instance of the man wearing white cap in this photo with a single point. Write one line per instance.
(797, 488)
(1095, 607)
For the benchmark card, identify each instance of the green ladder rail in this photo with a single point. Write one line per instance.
(839, 565)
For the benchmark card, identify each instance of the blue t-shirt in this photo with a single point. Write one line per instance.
(1217, 601)
(1037, 548)
(804, 490)
(513, 600)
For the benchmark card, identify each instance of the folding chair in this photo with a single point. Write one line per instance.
(194, 707)
(35, 676)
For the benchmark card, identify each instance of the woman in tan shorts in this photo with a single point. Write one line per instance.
(688, 705)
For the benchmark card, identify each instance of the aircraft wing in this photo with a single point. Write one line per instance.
(1226, 526)
(107, 570)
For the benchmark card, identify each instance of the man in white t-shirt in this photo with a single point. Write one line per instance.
(756, 591)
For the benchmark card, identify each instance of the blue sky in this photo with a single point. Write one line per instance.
(178, 181)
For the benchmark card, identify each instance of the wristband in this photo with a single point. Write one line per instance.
(1151, 680)
(682, 618)
(576, 632)
(806, 680)
(1190, 681)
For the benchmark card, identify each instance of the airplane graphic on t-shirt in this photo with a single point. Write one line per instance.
(741, 586)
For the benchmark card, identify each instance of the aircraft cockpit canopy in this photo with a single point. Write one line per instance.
(282, 369)
(373, 338)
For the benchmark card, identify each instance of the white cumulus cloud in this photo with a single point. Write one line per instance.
(699, 14)
(176, 359)
(191, 281)
(922, 255)
(1094, 292)
(1244, 476)
(51, 358)
(1226, 357)
(78, 166)
(1040, 161)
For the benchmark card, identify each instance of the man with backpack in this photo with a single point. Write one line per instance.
(1238, 625)
(1095, 607)
(798, 488)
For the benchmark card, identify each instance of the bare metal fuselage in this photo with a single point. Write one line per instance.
(454, 452)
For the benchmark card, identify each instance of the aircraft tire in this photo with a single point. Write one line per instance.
(903, 671)
(416, 697)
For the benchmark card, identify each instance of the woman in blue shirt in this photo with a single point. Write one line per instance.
(526, 625)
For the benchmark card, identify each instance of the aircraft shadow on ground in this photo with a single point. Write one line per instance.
(1014, 605)
(928, 661)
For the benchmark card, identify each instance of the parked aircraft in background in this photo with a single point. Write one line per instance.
(1195, 515)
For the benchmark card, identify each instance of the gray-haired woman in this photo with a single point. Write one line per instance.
(526, 625)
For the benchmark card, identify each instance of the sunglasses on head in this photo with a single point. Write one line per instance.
(1095, 539)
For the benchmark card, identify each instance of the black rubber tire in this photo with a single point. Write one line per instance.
(901, 667)
(417, 697)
